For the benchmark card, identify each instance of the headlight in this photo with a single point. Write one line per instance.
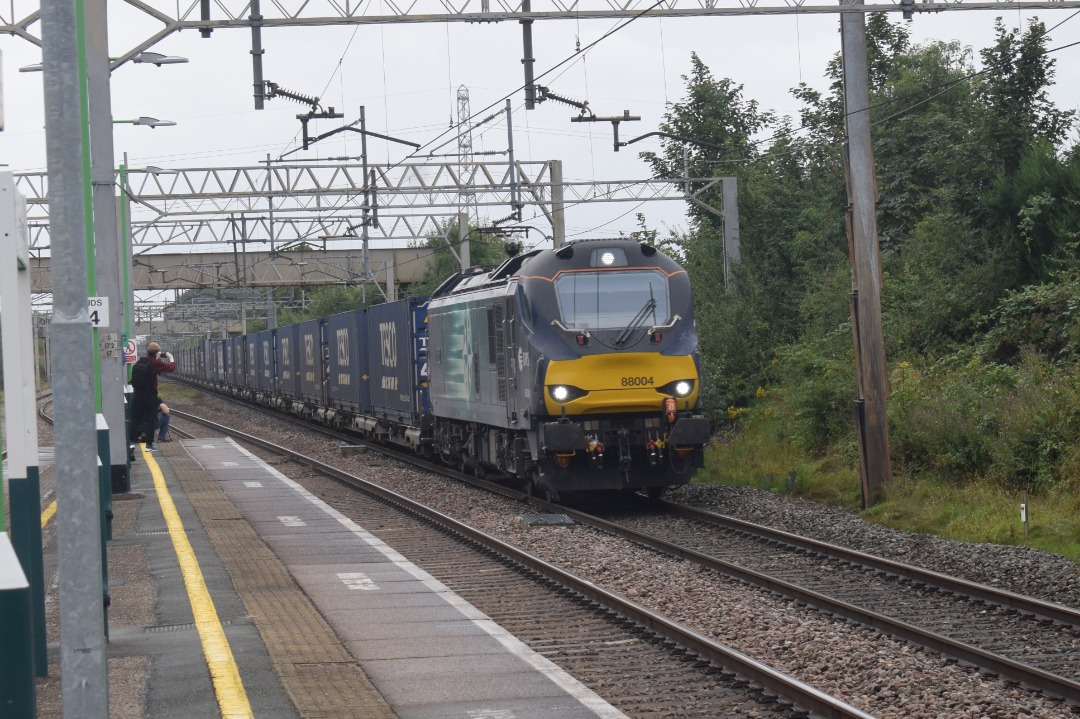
(565, 393)
(678, 388)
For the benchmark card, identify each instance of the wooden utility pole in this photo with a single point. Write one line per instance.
(871, 418)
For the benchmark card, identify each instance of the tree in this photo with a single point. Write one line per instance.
(485, 250)
(1013, 88)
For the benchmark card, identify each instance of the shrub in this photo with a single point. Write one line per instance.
(1044, 319)
(820, 390)
(963, 418)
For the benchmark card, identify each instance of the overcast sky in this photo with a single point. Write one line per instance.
(407, 78)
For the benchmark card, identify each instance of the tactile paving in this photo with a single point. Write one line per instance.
(318, 673)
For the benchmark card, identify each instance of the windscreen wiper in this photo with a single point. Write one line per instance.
(639, 319)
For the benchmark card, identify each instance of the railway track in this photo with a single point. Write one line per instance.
(1019, 638)
(1024, 640)
(641, 662)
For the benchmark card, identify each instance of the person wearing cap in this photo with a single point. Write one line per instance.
(145, 401)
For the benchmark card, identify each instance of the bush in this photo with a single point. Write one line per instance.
(1044, 319)
(964, 418)
(819, 381)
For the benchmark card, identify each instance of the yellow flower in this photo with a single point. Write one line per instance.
(760, 392)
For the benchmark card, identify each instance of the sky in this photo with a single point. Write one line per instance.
(407, 76)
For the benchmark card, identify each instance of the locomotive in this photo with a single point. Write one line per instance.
(564, 369)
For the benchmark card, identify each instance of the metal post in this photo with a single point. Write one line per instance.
(271, 310)
(106, 236)
(515, 204)
(364, 237)
(528, 60)
(256, 52)
(84, 672)
(873, 381)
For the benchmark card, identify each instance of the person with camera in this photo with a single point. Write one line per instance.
(145, 401)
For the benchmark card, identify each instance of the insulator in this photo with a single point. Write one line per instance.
(275, 90)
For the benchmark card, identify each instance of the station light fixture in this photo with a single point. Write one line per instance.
(147, 121)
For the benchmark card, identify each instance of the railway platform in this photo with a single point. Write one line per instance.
(235, 592)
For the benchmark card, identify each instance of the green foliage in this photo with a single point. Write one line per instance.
(942, 280)
(979, 228)
(761, 455)
(1043, 319)
(329, 300)
(1035, 214)
(719, 124)
(484, 251)
(1013, 90)
(964, 418)
(819, 393)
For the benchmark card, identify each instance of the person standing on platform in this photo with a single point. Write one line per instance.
(145, 400)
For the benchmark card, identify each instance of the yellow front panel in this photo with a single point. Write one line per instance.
(619, 382)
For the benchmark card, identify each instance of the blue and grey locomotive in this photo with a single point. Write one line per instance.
(572, 369)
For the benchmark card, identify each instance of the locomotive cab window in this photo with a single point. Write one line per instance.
(612, 299)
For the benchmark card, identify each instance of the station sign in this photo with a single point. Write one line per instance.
(99, 311)
(109, 344)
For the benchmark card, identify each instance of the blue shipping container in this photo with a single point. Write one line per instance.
(346, 364)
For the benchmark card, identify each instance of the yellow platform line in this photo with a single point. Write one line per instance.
(231, 696)
(47, 514)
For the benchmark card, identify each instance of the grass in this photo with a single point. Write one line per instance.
(174, 391)
(974, 511)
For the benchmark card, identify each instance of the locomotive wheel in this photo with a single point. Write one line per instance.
(533, 489)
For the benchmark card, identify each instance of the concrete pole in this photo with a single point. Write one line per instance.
(463, 240)
(84, 672)
(732, 242)
(558, 205)
(870, 366)
(106, 238)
